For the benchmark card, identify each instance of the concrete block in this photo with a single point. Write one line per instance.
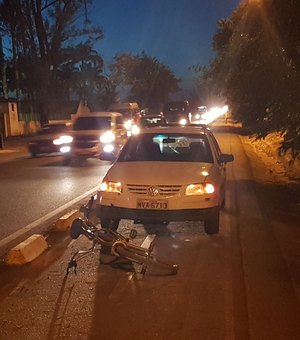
(27, 250)
(65, 222)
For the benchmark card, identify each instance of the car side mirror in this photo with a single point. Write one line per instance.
(107, 156)
(226, 158)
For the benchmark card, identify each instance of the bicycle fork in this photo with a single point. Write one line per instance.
(133, 252)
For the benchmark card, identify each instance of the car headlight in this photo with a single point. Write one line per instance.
(135, 130)
(199, 189)
(108, 148)
(107, 137)
(108, 186)
(183, 121)
(65, 149)
(63, 140)
(128, 124)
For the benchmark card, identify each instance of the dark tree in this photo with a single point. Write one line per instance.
(149, 81)
(44, 39)
(257, 67)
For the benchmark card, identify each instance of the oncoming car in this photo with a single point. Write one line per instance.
(199, 116)
(94, 133)
(165, 174)
(46, 142)
(177, 112)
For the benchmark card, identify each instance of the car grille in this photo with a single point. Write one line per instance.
(164, 190)
(83, 142)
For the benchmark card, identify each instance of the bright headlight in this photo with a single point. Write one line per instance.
(135, 130)
(65, 149)
(183, 121)
(63, 140)
(108, 148)
(108, 186)
(128, 124)
(199, 189)
(107, 137)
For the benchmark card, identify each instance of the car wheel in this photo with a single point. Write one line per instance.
(108, 223)
(211, 225)
(33, 152)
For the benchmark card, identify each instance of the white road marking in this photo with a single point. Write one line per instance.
(34, 224)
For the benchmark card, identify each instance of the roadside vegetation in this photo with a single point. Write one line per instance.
(257, 69)
(49, 62)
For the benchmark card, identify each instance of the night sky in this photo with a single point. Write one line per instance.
(176, 32)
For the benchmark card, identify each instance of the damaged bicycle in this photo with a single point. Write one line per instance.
(119, 246)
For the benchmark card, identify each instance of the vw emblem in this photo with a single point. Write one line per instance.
(152, 191)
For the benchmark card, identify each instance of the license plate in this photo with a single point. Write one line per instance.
(152, 204)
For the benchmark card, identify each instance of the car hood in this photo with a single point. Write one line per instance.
(88, 132)
(160, 172)
(49, 136)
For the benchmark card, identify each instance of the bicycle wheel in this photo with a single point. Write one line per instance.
(140, 256)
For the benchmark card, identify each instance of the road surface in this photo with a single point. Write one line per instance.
(241, 284)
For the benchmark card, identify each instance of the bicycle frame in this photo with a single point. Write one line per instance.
(120, 246)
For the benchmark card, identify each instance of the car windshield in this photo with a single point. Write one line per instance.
(55, 128)
(92, 123)
(171, 147)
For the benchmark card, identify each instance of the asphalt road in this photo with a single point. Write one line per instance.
(241, 284)
(34, 191)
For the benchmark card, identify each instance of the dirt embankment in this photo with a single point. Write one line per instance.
(284, 167)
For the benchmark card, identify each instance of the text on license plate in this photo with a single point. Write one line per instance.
(152, 204)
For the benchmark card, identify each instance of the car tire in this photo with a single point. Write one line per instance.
(33, 152)
(108, 223)
(211, 225)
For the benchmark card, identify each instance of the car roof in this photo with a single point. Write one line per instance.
(101, 114)
(57, 124)
(176, 129)
(152, 116)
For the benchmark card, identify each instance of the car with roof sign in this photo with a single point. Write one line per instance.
(165, 174)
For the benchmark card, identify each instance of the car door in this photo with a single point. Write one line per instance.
(222, 166)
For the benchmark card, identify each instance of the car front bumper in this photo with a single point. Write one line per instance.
(147, 215)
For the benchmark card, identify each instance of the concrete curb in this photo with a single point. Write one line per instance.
(36, 244)
(27, 250)
(65, 222)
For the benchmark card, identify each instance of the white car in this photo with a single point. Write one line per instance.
(165, 174)
(93, 133)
